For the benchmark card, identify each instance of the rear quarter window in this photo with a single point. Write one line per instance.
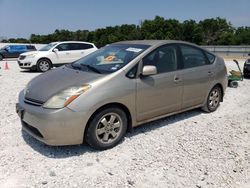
(80, 46)
(85, 46)
(30, 47)
(210, 57)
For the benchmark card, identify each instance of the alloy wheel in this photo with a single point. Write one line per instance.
(44, 65)
(109, 128)
(214, 99)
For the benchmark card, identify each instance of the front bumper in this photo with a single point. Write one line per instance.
(27, 63)
(52, 126)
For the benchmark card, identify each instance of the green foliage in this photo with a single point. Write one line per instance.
(213, 31)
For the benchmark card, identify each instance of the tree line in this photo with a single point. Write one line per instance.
(213, 31)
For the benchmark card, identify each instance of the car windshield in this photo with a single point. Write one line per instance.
(109, 58)
(48, 47)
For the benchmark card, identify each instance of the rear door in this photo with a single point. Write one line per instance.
(161, 93)
(86, 49)
(197, 75)
(79, 50)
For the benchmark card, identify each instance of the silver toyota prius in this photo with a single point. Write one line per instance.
(98, 98)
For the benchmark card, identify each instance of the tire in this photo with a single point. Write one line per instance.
(106, 128)
(1, 57)
(43, 65)
(213, 100)
(233, 84)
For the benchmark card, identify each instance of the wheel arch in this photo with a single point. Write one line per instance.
(109, 105)
(46, 58)
(222, 90)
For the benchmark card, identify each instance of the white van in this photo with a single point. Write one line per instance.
(55, 54)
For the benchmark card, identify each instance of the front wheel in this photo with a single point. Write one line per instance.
(213, 100)
(43, 65)
(106, 128)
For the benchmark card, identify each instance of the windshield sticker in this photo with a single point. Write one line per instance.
(136, 50)
(114, 68)
(110, 58)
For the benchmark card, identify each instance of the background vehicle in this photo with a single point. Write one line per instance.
(55, 54)
(246, 68)
(99, 97)
(13, 51)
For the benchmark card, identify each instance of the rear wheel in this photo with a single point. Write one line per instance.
(43, 65)
(213, 100)
(106, 128)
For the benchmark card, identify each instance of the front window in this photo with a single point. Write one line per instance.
(110, 58)
(48, 47)
(164, 58)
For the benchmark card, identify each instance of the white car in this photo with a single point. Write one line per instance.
(55, 54)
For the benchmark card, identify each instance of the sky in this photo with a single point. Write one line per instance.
(21, 18)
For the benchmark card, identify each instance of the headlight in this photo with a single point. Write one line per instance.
(65, 97)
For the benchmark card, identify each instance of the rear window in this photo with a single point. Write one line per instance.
(192, 57)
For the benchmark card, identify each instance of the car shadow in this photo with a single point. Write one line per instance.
(167, 121)
(77, 150)
(28, 71)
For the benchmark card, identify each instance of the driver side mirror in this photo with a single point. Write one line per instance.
(149, 70)
(55, 50)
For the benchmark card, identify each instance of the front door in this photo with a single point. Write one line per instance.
(161, 93)
(64, 54)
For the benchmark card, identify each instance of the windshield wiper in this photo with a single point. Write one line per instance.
(75, 67)
(91, 68)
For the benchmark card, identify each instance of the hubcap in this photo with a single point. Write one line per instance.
(214, 99)
(44, 65)
(109, 128)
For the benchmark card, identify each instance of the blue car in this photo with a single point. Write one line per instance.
(13, 51)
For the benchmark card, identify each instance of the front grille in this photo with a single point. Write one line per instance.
(22, 57)
(33, 102)
(34, 130)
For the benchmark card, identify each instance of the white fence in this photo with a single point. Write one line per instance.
(224, 51)
(229, 51)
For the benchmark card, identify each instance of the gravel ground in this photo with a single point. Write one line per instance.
(192, 149)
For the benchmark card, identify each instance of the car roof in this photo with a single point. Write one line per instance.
(161, 42)
(154, 42)
(83, 42)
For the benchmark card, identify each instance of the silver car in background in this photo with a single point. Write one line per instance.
(120, 86)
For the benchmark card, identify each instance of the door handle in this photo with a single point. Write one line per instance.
(210, 73)
(177, 79)
(67, 53)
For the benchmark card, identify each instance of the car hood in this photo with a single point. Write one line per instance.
(30, 53)
(46, 85)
